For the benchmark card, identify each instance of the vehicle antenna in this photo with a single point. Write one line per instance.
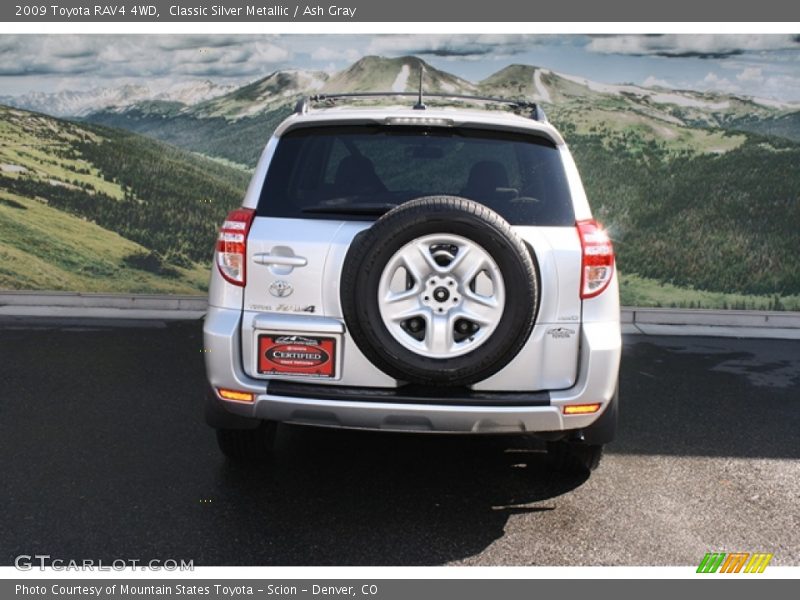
(420, 105)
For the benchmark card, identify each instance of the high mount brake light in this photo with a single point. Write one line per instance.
(433, 121)
(597, 262)
(231, 251)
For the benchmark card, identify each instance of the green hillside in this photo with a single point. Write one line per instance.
(83, 207)
(787, 126)
(239, 142)
(43, 248)
(723, 222)
(640, 291)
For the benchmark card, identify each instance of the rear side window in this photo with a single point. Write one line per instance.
(359, 172)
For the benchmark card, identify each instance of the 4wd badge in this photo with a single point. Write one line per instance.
(281, 289)
(561, 333)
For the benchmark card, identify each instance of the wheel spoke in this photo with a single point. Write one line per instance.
(483, 311)
(439, 335)
(402, 305)
(468, 270)
(469, 261)
(475, 298)
(425, 252)
(462, 262)
(419, 262)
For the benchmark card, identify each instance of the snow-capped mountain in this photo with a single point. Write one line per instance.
(207, 99)
(376, 73)
(193, 92)
(71, 103)
(262, 95)
(371, 73)
(676, 106)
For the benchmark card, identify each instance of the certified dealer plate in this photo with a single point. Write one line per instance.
(297, 355)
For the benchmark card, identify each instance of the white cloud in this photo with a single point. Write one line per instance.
(715, 83)
(777, 87)
(453, 46)
(691, 45)
(326, 53)
(269, 53)
(141, 56)
(783, 89)
(750, 74)
(653, 81)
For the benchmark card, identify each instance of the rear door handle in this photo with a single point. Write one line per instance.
(265, 258)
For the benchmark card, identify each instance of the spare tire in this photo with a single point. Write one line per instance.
(439, 291)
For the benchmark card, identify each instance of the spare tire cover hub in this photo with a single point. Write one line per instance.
(445, 294)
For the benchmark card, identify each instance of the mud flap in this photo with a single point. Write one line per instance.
(604, 429)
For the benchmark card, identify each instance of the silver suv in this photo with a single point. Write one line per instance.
(414, 268)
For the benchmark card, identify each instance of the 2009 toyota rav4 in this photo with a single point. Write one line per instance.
(430, 270)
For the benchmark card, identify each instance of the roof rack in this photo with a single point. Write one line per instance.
(536, 113)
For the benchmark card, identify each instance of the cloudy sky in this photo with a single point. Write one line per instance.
(758, 65)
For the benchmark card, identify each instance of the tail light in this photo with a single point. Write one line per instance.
(597, 264)
(231, 251)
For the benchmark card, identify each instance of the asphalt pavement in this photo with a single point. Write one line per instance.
(105, 456)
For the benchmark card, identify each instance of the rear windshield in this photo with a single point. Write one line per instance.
(361, 171)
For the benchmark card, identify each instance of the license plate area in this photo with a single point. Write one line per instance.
(297, 355)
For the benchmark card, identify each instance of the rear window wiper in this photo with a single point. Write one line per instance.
(350, 209)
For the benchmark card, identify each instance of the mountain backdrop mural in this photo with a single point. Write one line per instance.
(122, 189)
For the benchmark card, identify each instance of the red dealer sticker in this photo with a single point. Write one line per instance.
(308, 356)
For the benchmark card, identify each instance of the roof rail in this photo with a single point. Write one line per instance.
(536, 113)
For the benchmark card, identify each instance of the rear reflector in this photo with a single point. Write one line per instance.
(582, 409)
(597, 264)
(235, 395)
(231, 250)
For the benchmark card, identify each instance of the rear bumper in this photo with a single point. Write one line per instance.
(599, 366)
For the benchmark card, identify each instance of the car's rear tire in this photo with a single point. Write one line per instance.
(468, 292)
(588, 455)
(564, 456)
(248, 445)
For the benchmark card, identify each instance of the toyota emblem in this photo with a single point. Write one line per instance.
(281, 289)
